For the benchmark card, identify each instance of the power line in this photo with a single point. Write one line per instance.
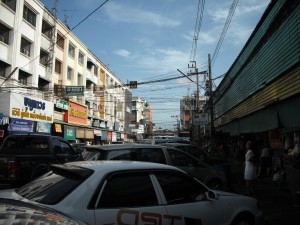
(200, 10)
(225, 28)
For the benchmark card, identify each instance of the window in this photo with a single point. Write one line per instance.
(70, 73)
(58, 66)
(44, 57)
(60, 41)
(79, 79)
(180, 189)
(120, 188)
(4, 34)
(152, 155)
(71, 50)
(96, 70)
(181, 159)
(80, 58)
(25, 47)
(29, 15)
(61, 147)
(10, 3)
(47, 29)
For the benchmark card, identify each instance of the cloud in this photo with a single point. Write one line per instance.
(121, 13)
(122, 52)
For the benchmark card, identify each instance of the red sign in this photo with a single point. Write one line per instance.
(77, 113)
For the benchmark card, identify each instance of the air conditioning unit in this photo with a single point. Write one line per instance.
(25, 51)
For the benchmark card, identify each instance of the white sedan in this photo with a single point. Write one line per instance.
(132, 193)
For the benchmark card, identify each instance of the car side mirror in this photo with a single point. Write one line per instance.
(211, 195)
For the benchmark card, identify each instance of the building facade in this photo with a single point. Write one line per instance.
(43, 61)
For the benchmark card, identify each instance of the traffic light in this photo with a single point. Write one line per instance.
(133, 84)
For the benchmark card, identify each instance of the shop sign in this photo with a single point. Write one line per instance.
(21, 125)
(102, 124)
(104, 135)
(74, 90)
(96, 123)
(28, 108)
(109, 136)
(119, 107)
(62, 104)
(69, 133)
(57, 128)
(42, 127)
(114, 136)
(89, 133)
(77, 113)
(200, 119)
(80, 133)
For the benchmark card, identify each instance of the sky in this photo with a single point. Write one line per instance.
(152, 40)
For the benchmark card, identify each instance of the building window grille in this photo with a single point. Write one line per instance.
(80, 58)
(44, 57)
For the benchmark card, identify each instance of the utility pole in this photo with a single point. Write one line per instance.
(211, 101)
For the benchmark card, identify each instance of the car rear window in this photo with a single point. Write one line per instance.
(51, 188)
(91, 154)
(25, 145)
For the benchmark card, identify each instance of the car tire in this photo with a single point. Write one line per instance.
(215, 184)
(243, 220)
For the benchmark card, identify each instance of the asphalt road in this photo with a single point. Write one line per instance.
(277, 203)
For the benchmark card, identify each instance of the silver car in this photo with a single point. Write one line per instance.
(210, 176)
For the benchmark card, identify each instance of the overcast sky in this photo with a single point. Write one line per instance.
(149, 40)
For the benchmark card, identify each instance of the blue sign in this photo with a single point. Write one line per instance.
(21, 125)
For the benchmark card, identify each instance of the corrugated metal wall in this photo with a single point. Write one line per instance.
(266, 69)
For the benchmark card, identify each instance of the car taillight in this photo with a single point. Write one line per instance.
(12, 169)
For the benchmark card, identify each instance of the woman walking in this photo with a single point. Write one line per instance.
(250, 169)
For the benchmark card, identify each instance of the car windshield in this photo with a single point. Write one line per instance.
(51, 188)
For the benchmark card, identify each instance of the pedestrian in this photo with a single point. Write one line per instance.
(250, 169)
(265, 161)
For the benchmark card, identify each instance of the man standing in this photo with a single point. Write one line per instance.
(250, 169)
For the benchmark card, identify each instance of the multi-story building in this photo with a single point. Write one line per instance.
(141, 119)
(43, 63)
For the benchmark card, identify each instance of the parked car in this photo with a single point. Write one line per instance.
(189, 148)
(131, 192)
(24, 157)
(220, 164)
(20, 212)
(159, 154)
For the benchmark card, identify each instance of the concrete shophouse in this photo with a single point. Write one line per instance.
(43, 63)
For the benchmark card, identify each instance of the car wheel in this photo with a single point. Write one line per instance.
(243, 220)
(215, 184)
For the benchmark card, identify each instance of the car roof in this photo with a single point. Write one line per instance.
(122, 146)
(178, 144)
(106, 166)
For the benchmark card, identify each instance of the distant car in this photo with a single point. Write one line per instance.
(130, 192)
(159, 154)
(20, 212)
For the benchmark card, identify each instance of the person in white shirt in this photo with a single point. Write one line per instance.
(250, 169)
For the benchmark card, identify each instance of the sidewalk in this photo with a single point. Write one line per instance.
(276, 203)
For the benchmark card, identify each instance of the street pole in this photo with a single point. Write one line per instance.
(211, 102)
